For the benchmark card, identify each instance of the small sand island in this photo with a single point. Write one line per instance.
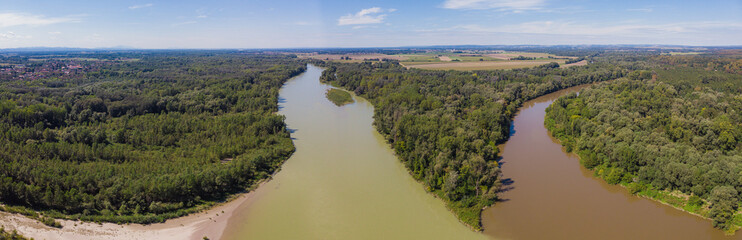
(339, 97)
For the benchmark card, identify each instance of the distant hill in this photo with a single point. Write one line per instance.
(63, 49)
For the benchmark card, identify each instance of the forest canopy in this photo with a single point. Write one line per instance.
(139, 137)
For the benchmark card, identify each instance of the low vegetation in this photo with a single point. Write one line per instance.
(338, 97)
(12, 235)
(49, 221)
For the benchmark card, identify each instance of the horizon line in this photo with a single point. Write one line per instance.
(41, 48)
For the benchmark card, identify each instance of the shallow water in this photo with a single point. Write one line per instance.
(343, 182)
(552, 197)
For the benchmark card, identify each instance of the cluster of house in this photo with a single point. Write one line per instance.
(33, 71)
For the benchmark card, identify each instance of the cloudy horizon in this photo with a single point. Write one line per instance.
(321, 24)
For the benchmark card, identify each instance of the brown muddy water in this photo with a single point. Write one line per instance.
(343, 181)
(550, 196)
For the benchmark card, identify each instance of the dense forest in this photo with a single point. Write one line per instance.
(139, 137)
(445, 125)
(671, 131)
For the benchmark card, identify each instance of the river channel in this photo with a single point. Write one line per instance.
(343, 181)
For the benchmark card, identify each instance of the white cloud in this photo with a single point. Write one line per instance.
(366, 16)
(502, 5)
(201, 13)
(12, 35)
(7, 35)
(557, 32)
(21, 19)
(573, 28)
(140, 6)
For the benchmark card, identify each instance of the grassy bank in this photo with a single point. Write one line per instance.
(338, 97)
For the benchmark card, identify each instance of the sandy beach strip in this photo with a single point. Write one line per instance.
(210, 223)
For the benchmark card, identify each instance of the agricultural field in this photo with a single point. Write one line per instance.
(684, 53)
(580, 63)
(482, 65)
(453, 60)
(494, 60)
(509, 55)
(420, 58)
(361, 57)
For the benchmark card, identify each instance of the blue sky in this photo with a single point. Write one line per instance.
(289, 24)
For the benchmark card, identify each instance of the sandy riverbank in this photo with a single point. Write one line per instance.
(210, 223)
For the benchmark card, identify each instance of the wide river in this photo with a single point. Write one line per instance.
(344, 182)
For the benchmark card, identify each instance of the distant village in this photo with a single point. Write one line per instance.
(33, 70)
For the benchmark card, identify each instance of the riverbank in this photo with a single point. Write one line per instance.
(210, 223)
(606, 158)
(680, 202)
(674, 199)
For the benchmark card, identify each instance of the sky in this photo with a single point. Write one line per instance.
(387, 23)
